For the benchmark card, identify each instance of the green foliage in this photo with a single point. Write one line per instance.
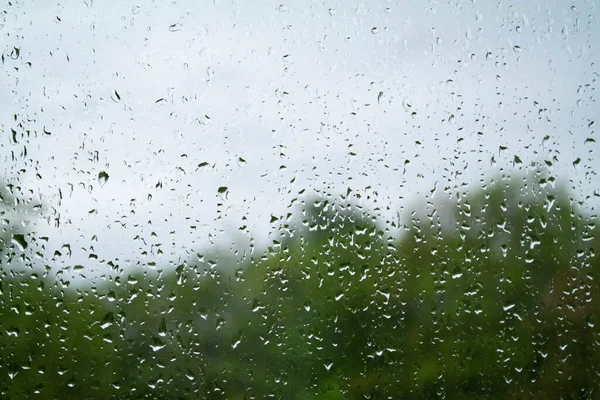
(488, 293)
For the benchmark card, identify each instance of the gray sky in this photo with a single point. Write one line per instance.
(330, 94)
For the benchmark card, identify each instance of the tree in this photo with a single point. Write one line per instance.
(489, 292)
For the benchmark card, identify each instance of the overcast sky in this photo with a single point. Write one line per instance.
(399, 96)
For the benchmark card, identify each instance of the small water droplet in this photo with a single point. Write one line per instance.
(108, 320)
(15, 53)
(162, 327)
(237, 340)
(175, 27)
(157, 344)
(115, 96)
(102, 178)
(190, 375)
(457, 273)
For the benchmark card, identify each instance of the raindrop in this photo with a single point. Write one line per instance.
(108, 320)
(19, 241)
(162, 327)
(157, 344)
(102, 178)
(115, 96)
(237, 340)
(175, 27)
(457, 273)
(15, 53)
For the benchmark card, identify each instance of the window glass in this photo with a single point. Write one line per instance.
(299, 200)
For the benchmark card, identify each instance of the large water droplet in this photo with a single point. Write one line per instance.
(19, 241)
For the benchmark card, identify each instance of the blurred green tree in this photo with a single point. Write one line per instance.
(487, 292)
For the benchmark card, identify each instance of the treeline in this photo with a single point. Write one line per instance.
(488, 293)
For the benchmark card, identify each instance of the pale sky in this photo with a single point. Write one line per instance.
(266, 92)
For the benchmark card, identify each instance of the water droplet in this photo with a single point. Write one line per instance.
(115, 96)
(108, 320)
(175, 27)
(256, 306)
(190, 375)
(457, 273)
(15, 53)
(237, 340)
(102, 178)
(157, 344)
(591, 321)
(19, 241)
(162, 327)
(307, 305)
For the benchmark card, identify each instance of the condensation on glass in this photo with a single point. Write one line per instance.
(299, 200)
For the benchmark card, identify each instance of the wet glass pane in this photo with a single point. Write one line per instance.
(299, 200)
